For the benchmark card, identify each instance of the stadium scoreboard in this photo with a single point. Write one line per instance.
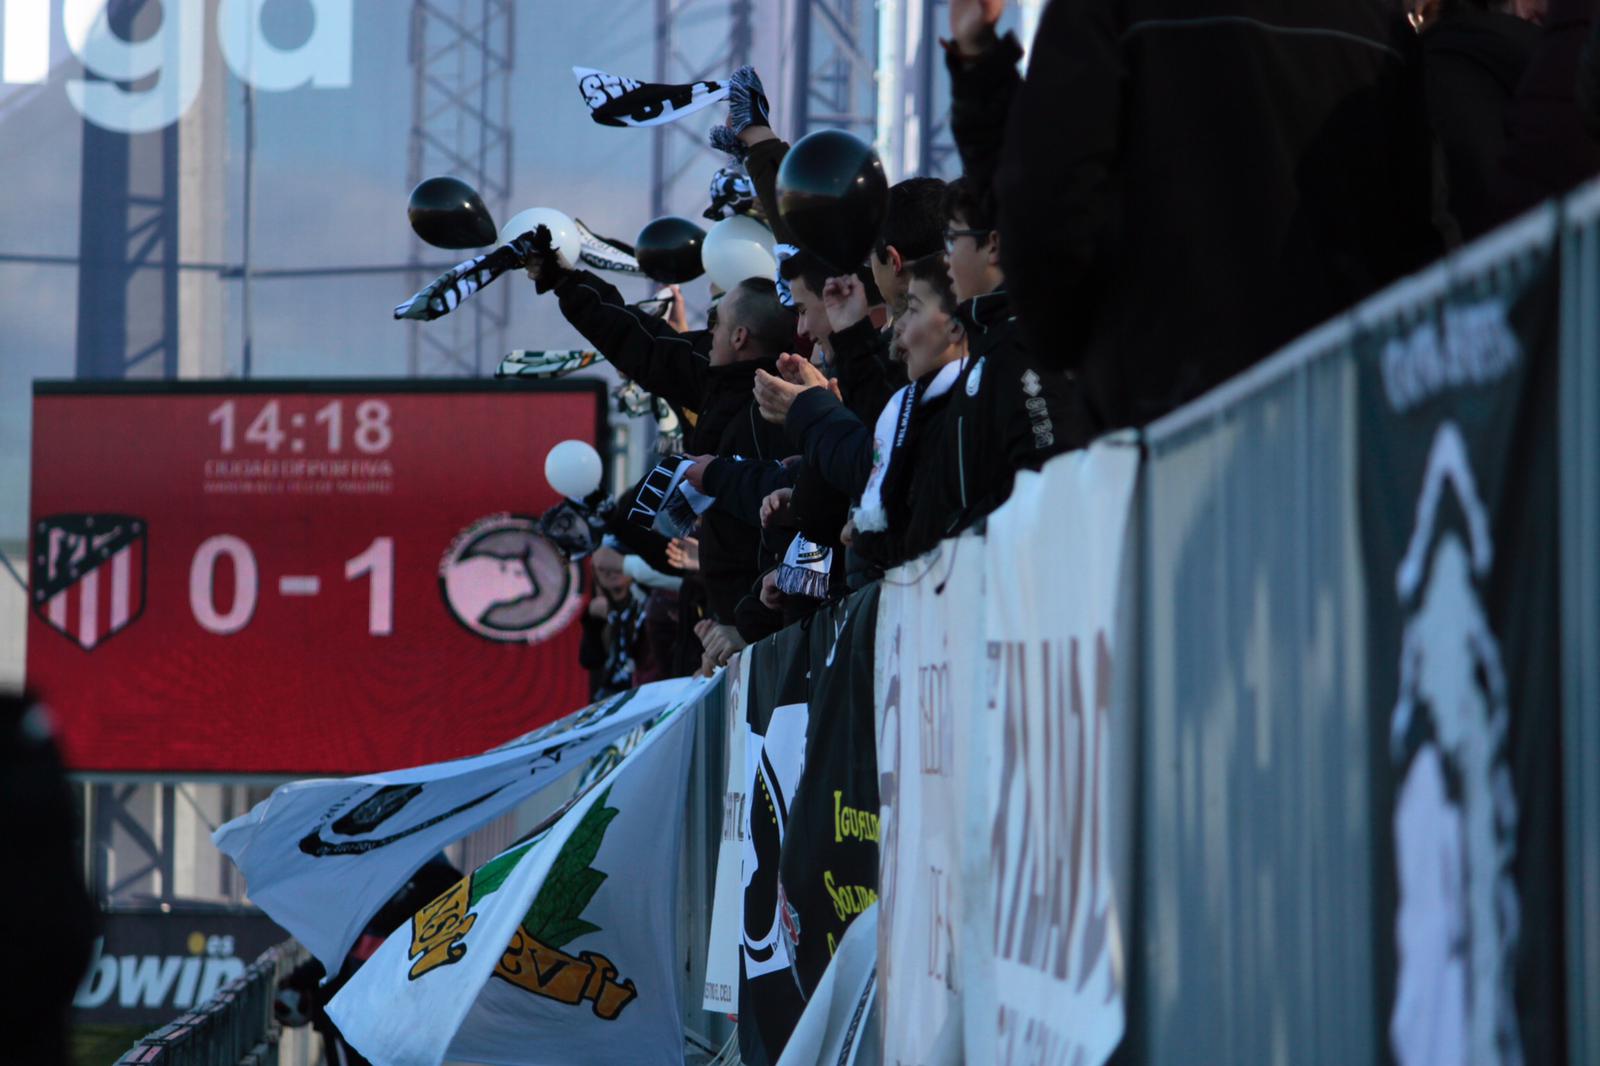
(300, 577)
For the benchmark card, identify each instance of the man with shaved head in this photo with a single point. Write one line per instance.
(708, 373)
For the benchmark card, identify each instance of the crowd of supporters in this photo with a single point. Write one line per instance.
(1173, 192)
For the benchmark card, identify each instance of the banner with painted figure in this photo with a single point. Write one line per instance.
(559, 950)
(929, 657)
(322, 856)
(776, 717)
(1458, 528)
(829, 869)
(1040, 930)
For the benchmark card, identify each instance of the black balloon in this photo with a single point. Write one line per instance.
(832, 194)
(449, 213)
(668, 250)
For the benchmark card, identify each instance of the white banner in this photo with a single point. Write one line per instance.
(322, 856)
(1042, 944)
(727, 913)
(559, 950)
(838, 1025)
(929, 640)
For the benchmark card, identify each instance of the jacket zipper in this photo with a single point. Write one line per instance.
(961, 469)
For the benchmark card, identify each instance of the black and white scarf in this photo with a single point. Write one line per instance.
(780, 252)
(615, 101)
(894, 422)
(804, 571)
(446, 292)
(731, 193)
(665, 502)
(602, 253)
(524, 363)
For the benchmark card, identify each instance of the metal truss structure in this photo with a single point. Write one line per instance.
(128, 240)
(141, 840)
(681, 161)
(939, 158)
(462, 58)
(835, 73)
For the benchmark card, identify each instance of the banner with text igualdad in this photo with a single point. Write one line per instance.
(1459, 521)
(559, 950)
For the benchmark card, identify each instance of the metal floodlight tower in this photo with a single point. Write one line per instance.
(461, 58)
(128, 240)
(913, 126)
(837, 67)
(939, 156)
(681, 161)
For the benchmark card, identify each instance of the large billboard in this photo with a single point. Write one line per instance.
(300, 577)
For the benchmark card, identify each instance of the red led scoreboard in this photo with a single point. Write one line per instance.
(300, 577)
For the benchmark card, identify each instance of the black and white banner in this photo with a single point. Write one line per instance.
(830, 853)
(617, 101)
(1458, 528)
(777, 713)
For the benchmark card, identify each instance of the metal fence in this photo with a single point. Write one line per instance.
(1580, 607)
(235, 1027)
(1252, 837)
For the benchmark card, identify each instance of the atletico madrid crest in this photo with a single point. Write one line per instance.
(88, 574)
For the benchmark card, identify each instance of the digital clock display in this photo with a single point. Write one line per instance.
(299, 577)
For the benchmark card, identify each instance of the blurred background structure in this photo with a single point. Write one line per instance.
(195, 195)
(235, 208)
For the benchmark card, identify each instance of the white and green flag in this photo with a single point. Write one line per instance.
(560, 950)
(322, 856)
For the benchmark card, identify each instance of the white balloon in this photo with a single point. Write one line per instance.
(563, 232)
(738, 248)
(573, 469)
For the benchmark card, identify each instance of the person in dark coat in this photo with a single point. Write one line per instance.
(48, 919)
(709, 373)
(1474, 57)
(1187, 186)
(1008, 411)
(983, 82)
(902, 507)
(1550, 148)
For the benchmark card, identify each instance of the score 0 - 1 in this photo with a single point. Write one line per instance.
(373, 434)
(376, 561)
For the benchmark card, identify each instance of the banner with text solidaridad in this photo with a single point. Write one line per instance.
(295, 579)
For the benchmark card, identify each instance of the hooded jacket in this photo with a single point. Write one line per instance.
(1007, 413)
(1188, 185)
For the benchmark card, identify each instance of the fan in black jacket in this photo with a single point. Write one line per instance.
(1187, 185)
(709, 373)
